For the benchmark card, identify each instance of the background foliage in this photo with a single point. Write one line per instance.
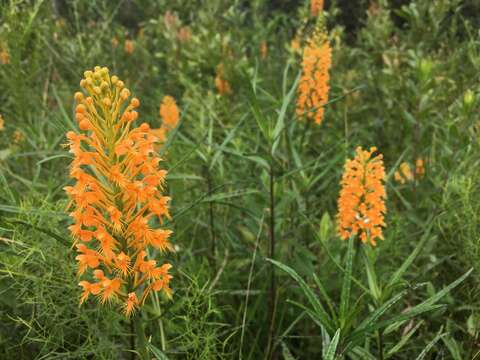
(404, 78)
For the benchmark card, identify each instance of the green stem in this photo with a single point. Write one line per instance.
(141, 338)
(132, 339)
(273, 289)
(380, 344)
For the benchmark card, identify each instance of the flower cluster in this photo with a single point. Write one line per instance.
(222, 85)
(361, 205)
(117, 196)
(313, 87)
(315, 7)
(263, 50)
(129, 46)
(404, 173)
(169, 112)
(4, 56)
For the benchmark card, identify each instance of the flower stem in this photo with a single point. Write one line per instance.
(380, 344)
(273, 290)
(141, 338)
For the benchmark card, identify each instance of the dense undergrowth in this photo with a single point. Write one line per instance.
(244, 172)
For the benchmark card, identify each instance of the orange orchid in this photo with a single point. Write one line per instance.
(169, 112)
(315, 7)
(117, 196)
(313, 87)
(222, 85)
(361, 205)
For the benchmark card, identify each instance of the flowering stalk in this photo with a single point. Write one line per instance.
(361, 210)
(169, 113)
(313, 87)
(222, 85)
(315, 7)
(361, 205)
(117, 197)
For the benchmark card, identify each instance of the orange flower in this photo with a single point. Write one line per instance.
(313, 87)
(184, 34)
(222, 85)
(315, 7)
(263, 49)
(403, 174)
(117, 195)
(419, 168)
(131, 305)
(4, 56)
(129, 46)
(18, 137)
(361, 204)
(169, 112)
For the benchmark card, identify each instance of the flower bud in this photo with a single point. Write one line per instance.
(125, 94)
(135, 102)
(80, 108)
(468, 98)
(84, 124)
(78, 96)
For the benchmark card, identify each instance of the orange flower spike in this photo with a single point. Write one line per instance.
(361, 204)
(169, 112)
(117, 191)
(129, 46)
(313, 87)
(222, 85)
(263, 49)
(419, 167)
(315, 7)
(4, 56)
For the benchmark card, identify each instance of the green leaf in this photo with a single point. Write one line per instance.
(325, 227)
(280, 125)
(453, 347)
(347, 281)
(332, 347)
(403, 341)
(323, 292)
(430, 345)
(409, 260)
(372, 277)
(287, 355)
(228, 138)
(318, 309)
(159, 354)
(444, 291)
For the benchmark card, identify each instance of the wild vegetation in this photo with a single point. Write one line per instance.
(239, 179)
